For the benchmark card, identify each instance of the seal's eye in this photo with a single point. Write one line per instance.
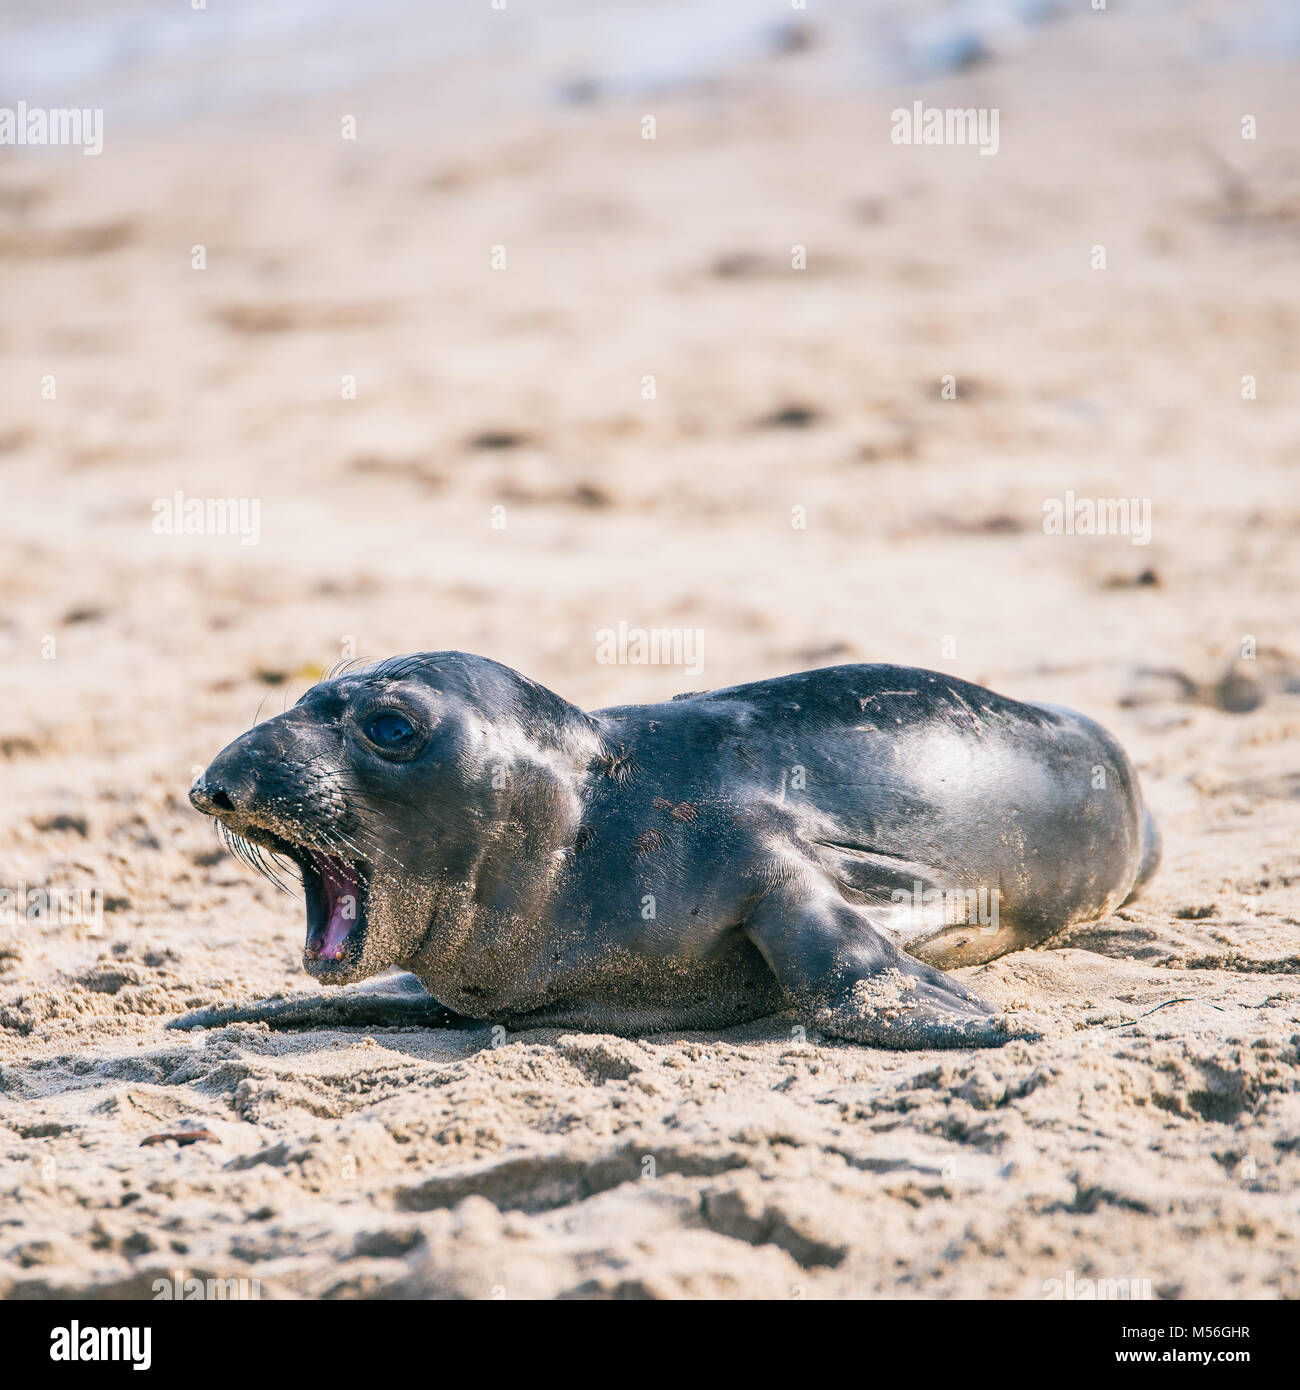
(389, 729)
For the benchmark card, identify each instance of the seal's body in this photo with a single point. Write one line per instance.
(819, 842)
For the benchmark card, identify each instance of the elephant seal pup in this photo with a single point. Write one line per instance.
(824, 843)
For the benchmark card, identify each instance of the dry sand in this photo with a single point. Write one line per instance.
(1152, 1135)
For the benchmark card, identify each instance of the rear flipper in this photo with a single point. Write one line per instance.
(1151, 847)
(832, 961)
(398, 1001)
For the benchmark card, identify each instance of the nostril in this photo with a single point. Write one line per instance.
(211, 798)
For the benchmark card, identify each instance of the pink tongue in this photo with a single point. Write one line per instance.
(343, 894)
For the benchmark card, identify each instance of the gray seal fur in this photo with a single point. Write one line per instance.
(823, 844)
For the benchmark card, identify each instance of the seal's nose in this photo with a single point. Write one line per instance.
(232, 779)
(260, 766)
(210, 797)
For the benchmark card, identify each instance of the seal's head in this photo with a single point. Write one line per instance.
(407, 795)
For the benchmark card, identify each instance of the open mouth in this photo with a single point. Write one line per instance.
(337, 891)
(336, 906)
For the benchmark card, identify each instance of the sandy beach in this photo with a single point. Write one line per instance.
(447, 453)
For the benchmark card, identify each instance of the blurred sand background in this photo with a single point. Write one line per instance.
(1154, 1134)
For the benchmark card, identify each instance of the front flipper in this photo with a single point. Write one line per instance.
(855, 983)
(398, 1001)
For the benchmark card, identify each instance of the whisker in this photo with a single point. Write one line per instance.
(375, 850)
(348, 663)
(257, 858)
